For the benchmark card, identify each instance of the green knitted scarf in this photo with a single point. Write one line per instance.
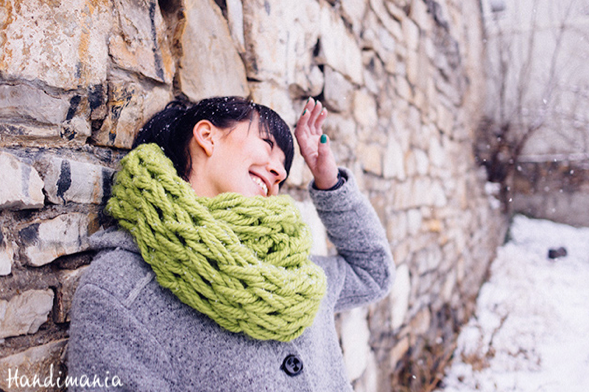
(242, 261)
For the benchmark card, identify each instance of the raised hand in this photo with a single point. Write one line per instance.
(314, 145)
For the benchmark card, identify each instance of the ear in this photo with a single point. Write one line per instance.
(203, 133)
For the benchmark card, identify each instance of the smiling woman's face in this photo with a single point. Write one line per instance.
(242, 160)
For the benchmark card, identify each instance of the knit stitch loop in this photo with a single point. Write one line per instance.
(242, 261)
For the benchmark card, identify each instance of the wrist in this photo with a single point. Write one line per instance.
(330, 185)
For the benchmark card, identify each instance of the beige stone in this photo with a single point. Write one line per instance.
(47, 240)
(371, 157)
(399, 351)
(68, 280)
(410, 34)
(6, 254)
(25, 313)
(339, 48)
(318, 233)
(130, 104)
(235, 23)
(210, 64)
(73, 181)
(26, 102)
(394, 160)
(21, 184)
(420, 323)
(276, 98)
(61, 44)
(42, 361)
(365, 112)
(355, 337)
(338, 92)
(141, 44)
(400, 296)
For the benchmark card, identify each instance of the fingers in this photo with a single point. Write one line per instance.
(312, 119)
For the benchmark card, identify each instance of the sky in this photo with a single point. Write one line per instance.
(530, 331)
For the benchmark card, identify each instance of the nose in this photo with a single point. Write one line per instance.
(276, 167)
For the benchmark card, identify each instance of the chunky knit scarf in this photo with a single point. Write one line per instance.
(242, 261)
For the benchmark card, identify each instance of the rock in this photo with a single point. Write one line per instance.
(410, 34)
(61, 44)
(338, 92)
(393, 161)
(339, 48)
(414, 220)
(318, 232)
(47, 240)
(73, 181)
(6, 254)
(421, 162)
(371, 157)
(400, 296)
(25, 313)
(21, 184)
(28, 103)
(365, 112)
(280, 38)
(556, 253)
(130, 105)
(141, 44)
(41, 361)
(68, 280)
(210, 64)
(355, 337)
(421, 322)
(235, 23)
(276, 98)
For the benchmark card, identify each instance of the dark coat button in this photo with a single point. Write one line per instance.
(292, 365)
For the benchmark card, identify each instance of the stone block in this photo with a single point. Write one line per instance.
(371, 157)
(365, 111)
(414, 220)
(130, 105)
(410, 34)
(25, 313)
(276, 98)
(394, 160)
(318, 233)
(389, 21)
(68, 280)
(421, 162)
(400, 296)
(354, 11)
(436, 152)
(210, 64)
(6, 254)
(235, 23)
(43, 242)
(355, 337)
(141, 44)
(399, 351)
(22, 187)
(44, 362)
(28, 103)
(280, 39)
(339, 48)
(62, 44)
(397, 227)
(74, 181)
(338, 92)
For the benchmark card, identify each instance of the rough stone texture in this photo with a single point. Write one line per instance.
(403, 82)
(6, 253)
(25, 313)
(40, 361)
(210, 64)
(73, 181)
(61, 44)
(21, 184)
(45, 241)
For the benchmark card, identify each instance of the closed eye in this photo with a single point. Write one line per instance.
(270, 142)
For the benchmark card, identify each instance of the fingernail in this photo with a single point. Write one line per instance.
(304, 112)
(324, 138)
(307, 100)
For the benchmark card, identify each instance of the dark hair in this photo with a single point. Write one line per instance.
(172, 127)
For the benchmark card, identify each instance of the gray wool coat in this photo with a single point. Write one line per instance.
(124, 324)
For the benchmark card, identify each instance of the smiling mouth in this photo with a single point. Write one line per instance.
(260, 183)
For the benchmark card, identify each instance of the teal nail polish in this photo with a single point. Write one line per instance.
(324, 138)
(304, 112)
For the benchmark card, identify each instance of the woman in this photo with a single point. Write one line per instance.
(210, 287)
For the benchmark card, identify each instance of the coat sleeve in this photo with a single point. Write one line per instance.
(106, 340)
(363, 270)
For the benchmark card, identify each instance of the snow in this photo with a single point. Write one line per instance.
(530, 331)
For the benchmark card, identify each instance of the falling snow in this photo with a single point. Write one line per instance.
(531, 327)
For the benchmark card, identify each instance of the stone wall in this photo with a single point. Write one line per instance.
(402, 80)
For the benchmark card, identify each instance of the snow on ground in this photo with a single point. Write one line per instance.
(530, 331)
